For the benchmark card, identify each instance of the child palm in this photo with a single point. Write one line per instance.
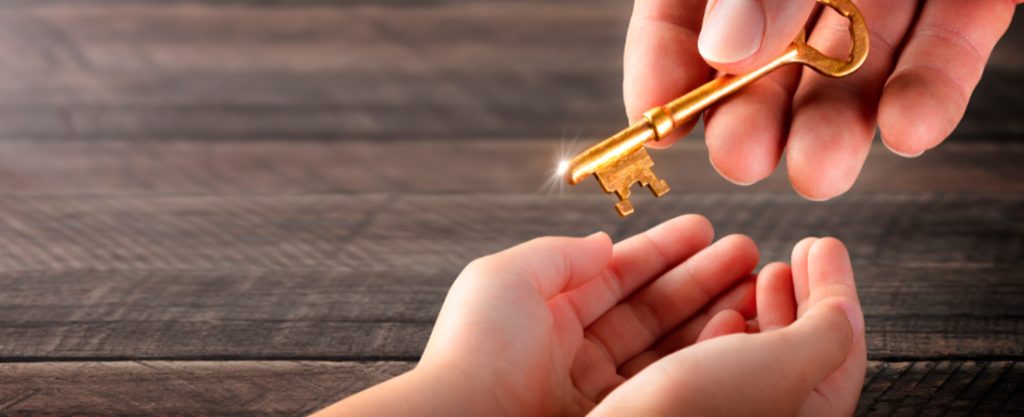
(567, 326)
(551, 326)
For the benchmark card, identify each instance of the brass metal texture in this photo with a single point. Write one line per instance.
(622, 160)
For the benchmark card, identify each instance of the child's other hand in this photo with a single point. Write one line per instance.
(553, 325)
(808, 359)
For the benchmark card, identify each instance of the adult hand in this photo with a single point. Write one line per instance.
(926, 58)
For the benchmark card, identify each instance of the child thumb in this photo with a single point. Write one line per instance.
(823, 337)
(738, 36)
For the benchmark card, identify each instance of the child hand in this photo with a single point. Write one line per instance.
(808, 359)
(546, 327)
(555, 324)
(552, 325)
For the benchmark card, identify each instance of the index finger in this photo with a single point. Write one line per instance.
(638, 260)
(661, 61)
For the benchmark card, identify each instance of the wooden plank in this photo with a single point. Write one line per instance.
(999, 88)
(367, 70)
(326, 276)
(195, 315)
(946, 388)
(438, 234)
(443, 166)
(358, 69)
(282, 324)
(299, 387)
(265, 388)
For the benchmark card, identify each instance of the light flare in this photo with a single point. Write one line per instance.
(563, 167)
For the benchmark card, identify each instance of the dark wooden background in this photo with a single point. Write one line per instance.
(255, 207)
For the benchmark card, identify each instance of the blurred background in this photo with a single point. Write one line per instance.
(346, 70)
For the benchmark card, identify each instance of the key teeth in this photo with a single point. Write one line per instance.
(624, 208)
(631, 169)
(659, 187)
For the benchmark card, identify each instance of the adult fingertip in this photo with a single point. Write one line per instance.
(744, 140)
(742, 174)
(917, 112)
(821, 181)
(896, 149)
(738, 36)
(733, 30)
(815, 187)
(824, 161)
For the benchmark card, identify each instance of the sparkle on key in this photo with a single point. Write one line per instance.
(563, 166)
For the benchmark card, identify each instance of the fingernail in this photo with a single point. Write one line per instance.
(855, 317)
(907, 154)
(733, 30)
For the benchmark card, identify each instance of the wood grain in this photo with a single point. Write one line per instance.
(298, 387)
(946, 388)
(429, 234)
(338, 70)
(522, 166)
(215, 70)
(362, 276)
(252, 388)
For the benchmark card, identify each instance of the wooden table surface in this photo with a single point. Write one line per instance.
(255, 207)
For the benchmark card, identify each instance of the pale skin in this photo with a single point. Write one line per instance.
(665, 323)
(926, 58)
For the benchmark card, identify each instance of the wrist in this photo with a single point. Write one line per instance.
(448, 390)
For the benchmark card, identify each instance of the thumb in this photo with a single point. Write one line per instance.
(740, 35)
(823, 337)
(548, 265)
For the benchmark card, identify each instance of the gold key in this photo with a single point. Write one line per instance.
(622, 160)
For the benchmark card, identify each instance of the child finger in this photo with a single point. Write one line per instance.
(740, 299)
(776, 303)
(638, 260)
(724, 323)
(799, 270)
(632, 326)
